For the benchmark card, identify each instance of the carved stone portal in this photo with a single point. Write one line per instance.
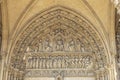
(58, 42)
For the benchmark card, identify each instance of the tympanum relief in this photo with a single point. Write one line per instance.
(58, 38)
(59, 42)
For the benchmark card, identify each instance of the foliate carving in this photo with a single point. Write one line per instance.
(59, 30)
(59, 44)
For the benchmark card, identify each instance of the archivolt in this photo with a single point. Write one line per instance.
(63, 19)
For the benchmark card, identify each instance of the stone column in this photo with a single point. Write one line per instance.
(118, 70)
(102, 71)
(97, 75)
(0, 66)
(8, 75)
(3, 67)
(108, 72)
(106, 75)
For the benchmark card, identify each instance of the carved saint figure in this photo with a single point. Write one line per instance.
(59, 63)
(47, 46)
(36, 47)
(63, 63)
(59, 44)
(78, 44)
(55, 65)
(39, 63)
(47, 63)
(29, 64)
(44, 63)
(71, 45)
(40, 45)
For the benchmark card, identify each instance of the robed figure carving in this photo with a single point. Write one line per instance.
(47, 45)
(59, 44)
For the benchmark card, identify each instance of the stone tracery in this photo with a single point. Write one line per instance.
(58, 31)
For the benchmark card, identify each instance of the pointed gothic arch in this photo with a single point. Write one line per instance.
(62, 34)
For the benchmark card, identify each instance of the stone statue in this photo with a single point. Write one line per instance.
(40, 63)
(78, 45)
(59, 44)
(71, 45)
(59, 63)
(40, 46)
(47, 45)
(55, 65)
(36, 47)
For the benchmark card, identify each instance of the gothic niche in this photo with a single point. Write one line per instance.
(58, 41)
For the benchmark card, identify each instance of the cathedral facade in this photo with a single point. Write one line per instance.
(60, 40)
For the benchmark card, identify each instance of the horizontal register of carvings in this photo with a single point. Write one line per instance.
(64, 61)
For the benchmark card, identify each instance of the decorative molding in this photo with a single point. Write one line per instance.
(61, 61)
(54, 73)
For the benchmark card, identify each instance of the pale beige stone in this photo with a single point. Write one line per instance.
(60, 53)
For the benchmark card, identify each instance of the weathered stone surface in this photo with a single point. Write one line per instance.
(58, 39)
